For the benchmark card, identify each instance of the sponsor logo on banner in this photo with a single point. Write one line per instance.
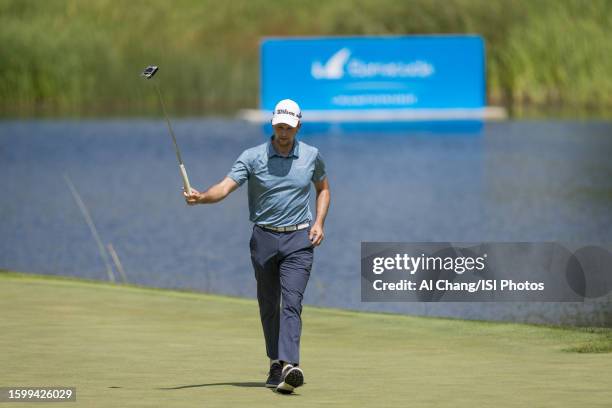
(335, 66)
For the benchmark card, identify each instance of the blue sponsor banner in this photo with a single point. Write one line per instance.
(352, 73)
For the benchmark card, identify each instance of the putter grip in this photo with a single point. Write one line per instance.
(186, 184)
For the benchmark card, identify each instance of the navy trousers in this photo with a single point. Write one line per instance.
(282, 262)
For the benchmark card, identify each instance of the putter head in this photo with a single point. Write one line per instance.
(149, 71)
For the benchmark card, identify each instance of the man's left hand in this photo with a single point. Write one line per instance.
(316, 235)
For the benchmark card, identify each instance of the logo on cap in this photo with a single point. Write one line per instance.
(287, 112)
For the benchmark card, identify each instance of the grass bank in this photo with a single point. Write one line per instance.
(134, 347)
(74, 57)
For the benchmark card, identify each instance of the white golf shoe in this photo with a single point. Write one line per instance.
(291, 378)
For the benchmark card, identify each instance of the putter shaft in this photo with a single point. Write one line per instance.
(148, 74)
(176, 148)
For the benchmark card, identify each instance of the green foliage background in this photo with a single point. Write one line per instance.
(72, 57)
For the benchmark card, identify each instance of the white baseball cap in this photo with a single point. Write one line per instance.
(287, 111)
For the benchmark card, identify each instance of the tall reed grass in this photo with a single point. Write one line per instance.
(74, 57)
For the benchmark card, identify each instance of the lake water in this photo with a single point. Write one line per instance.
(509, 181)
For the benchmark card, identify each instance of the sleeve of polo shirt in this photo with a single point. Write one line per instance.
(241, 169)
(319, 169)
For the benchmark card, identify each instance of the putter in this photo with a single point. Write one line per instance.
(148, 74)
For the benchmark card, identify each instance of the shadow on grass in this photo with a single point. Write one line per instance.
(235, 384)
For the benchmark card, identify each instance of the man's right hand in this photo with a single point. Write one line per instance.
(213, 195)
(193, 198)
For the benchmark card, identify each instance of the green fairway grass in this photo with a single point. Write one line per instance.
(124, 346)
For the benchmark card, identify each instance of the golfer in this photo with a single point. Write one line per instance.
(279, 173)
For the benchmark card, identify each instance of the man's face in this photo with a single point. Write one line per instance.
(285, 134)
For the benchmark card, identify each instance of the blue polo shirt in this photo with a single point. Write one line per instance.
(279, 186)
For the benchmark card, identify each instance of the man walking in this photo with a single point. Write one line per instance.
(279, 174)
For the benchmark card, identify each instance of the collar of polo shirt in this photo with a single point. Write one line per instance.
(295, 150)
